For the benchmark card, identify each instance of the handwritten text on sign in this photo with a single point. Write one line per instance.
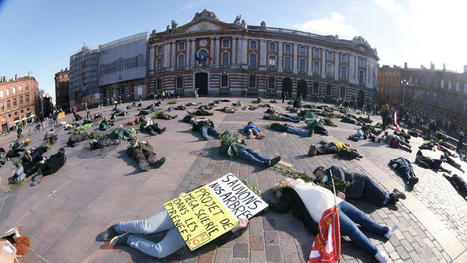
(212, 210)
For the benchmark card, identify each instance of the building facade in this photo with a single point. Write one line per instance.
(19, 101)
(62, 96)
(83, 77)
(220, 58)
(435, 94)
(122, 68)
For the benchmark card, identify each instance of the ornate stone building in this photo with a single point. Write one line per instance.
(220, 58)
(62, 96)
(435, 94)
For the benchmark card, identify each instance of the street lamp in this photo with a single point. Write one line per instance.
(404, 84)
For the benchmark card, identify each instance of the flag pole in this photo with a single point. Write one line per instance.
(333, 187)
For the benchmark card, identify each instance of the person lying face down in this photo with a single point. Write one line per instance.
(307, 201)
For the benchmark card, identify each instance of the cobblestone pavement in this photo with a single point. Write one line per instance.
(65, 212)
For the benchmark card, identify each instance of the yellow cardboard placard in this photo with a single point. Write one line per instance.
(61, 115)
(200, 217)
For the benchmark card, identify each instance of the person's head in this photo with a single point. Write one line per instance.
(250, 123)
(61, 150)
(282, 184)
(386, 133)
(319, 173)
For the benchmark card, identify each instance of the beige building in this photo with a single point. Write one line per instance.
(19, 101)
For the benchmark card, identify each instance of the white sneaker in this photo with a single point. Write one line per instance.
(391, 231)
(382, 257)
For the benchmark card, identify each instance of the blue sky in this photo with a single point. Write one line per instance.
(40, 35)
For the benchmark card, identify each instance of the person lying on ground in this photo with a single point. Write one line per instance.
(238, 104)
(430, 163)
(403, 134)
(50, 137)
(233, 147)
(105, 124)
(332, 148)
(49, 166)
(227, 110)
(150, 127)
(350, 120)
(356, 186)
(28, 166)
(206, 127)
(201, 112)
(307, 201)
(253, 131)
(328, 122)
(297, 103)
(120, 234)
(317, 126)
(2, 156)
(143, 153)
(132, 122)
(118, 113)
(102, 142)
(370, 129)
(396, 142)
(428, 145)
(74, 139)
(449, 160)
(160, 114)
(458, 183)
(359, 135)
(16, 150)
(281, 117)
(291, 129)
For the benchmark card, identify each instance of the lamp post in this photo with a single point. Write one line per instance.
(404, 84)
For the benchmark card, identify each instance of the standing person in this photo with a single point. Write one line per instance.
(385, 115)
(308, 202)
(460, 142)
(196, 94)
(19, 132)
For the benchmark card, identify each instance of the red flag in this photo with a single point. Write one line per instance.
(396, 122)
(327, 244)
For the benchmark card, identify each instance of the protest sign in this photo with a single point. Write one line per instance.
(61, 115)
(212, 210)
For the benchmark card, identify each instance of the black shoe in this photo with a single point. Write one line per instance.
(109, 233)
(397, 195)
(36, 179)
(159, 163)
(273, 161)
(413, 181)
(163, 130)
(310, 132)
(119, 241)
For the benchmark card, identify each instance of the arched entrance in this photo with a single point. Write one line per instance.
(201, 83)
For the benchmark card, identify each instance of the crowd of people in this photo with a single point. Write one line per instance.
(306, 200)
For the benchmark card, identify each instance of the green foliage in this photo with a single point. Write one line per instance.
(238, 103)
(340, 185)
(172, 101)
(253, 188)
(258, 100)
(293, 173)
(228, 139)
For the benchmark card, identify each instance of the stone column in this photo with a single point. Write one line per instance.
(211, 51)
(336, 65)
(295, 58)
(166, 56)
(244, 53)
(172, 56)
(217, 52)
(263, 54)
(193, 52)
(233, 56)
(310, 60)
(188, 54)
(151, 59)
(279, 57)
(323, 63)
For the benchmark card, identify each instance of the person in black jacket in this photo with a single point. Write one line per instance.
(360, 186)
(205, 126)
(405, 169)
(430, 163)
(50, 166)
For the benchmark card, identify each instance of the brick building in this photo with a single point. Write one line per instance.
(61, 90)
(436, 94)
(19, 101)
(219, 58)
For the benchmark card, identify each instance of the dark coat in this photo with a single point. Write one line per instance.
(356, 180)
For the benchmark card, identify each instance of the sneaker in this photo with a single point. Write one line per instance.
(109, 233)
(159, 163)
(142, 162)
(163, 130)
(391, 231)
(273, 161)
(152, 159)
(251, 136)
(382, 257)
(310, 132)
(397, 195)
(119, 241)
(312, 151)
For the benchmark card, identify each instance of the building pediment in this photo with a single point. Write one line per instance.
(203, 26)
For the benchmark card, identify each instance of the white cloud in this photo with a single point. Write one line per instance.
(390, 5)
(333, 24)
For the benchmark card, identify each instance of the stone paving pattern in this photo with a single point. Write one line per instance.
(65, 212)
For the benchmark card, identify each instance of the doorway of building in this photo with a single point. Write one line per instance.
(201, 83)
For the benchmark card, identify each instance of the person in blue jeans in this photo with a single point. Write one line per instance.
(233, 147)
(253, 131)
(308, 201)
(120, 234)
(205, 126)
(291, 129)
(359, 186)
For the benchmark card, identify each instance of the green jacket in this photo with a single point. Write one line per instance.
(231, 148)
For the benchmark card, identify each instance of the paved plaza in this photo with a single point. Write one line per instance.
(63, 215)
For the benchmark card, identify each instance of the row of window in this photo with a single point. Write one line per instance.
(16, 114)
(14, 101)
(122, 64)
(13, 90)
(272, 47)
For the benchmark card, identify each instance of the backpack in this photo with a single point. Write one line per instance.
(394, 143)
